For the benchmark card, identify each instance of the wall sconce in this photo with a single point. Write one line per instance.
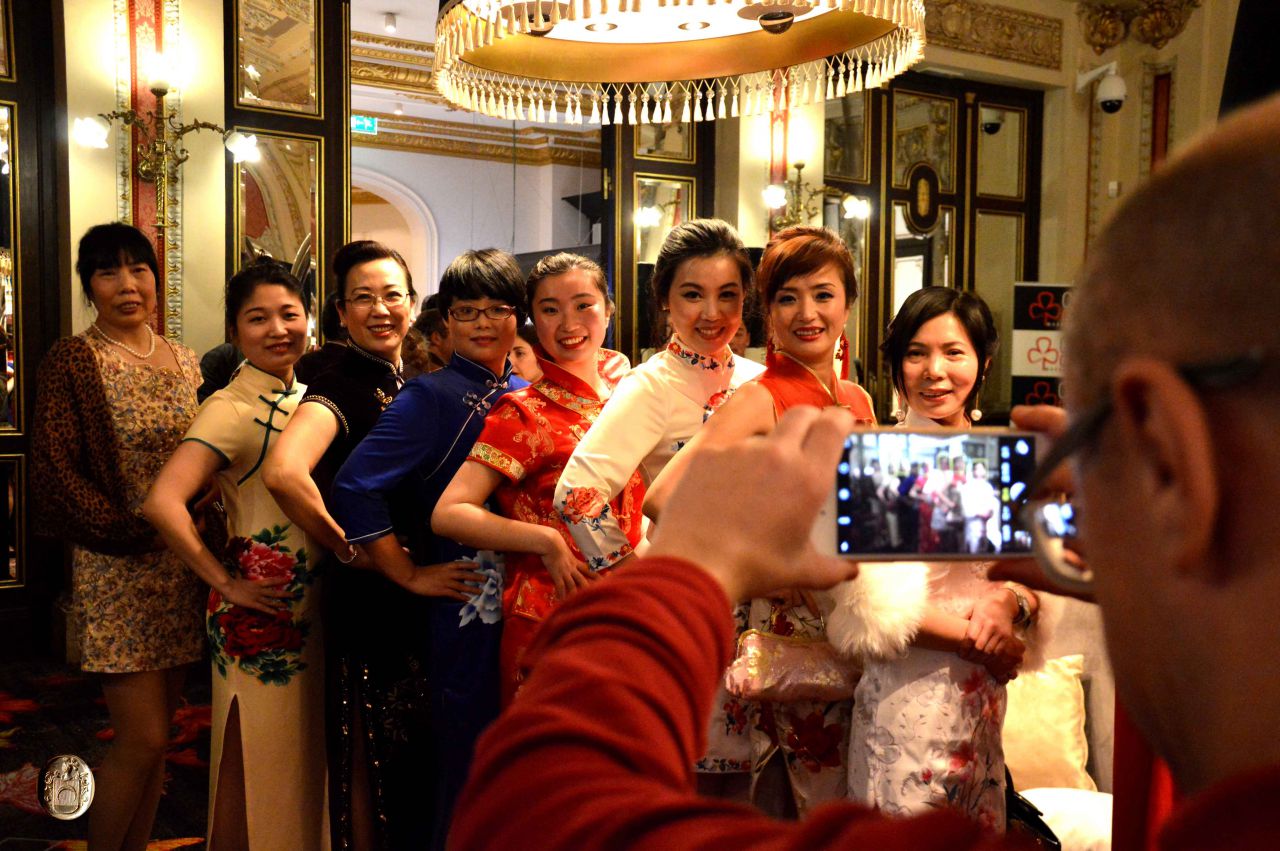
(160, 152)
(855, 207)
(791, 202)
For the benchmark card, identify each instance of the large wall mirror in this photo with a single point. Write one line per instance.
(278, 54)
(278, 205)
(11, 490)
(10, 396)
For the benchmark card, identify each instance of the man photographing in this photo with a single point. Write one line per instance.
(1174, 332)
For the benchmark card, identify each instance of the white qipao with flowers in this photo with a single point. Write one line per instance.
(656, 409)
(271, 666)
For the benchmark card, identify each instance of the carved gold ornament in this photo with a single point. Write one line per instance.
(1106, 23)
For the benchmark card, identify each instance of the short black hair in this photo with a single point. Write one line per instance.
(430, 321)
(362, 251)
(111, 246)
(529, 334)
(263, 271)
(331, 320)
(930, 303)
(484, 273)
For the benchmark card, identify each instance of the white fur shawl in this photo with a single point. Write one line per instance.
(878, 613)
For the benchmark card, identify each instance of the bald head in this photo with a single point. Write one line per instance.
(1189, 267)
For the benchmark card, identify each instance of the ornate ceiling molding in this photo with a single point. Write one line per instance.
(995, 31)
(527, 146)
(1106, 23)
(409, 80)
(398, 44)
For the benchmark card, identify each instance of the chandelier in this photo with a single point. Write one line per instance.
(657, 61)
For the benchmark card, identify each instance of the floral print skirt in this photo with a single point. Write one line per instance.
(136, 613)
(271, 669)
(926, 733)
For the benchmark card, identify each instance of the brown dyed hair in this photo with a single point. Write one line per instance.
(799, 251)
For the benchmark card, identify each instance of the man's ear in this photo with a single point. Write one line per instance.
(1166, 437)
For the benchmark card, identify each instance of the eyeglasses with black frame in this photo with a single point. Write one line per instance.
(1053, 522)
(466, 313)
(366, 301)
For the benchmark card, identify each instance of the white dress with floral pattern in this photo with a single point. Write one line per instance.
(926, 726)
(272, 667)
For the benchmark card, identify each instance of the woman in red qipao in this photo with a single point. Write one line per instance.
(807, 284)
(527, 439)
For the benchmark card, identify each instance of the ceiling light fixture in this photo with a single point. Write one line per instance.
(643, 61)
(389, 23)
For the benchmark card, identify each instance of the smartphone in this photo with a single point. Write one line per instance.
(930, 494)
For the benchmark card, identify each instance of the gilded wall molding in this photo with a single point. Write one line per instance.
(995, 31)
(1150, 70)
(1106, 23)
(527, 146)
(411, 80)
(404, 44)
(378, 54)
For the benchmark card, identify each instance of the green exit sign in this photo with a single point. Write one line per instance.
(366, 124)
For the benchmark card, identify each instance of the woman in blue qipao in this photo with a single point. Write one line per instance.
(405, 462)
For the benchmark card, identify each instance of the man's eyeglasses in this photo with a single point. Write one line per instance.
(366, 301)
(1053, 523)
(471, 314)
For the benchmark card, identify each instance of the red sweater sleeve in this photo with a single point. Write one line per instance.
(597, 750)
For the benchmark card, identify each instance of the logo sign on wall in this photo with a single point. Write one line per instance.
(1038, 311)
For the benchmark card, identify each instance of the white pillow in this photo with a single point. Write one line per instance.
(1044, 740)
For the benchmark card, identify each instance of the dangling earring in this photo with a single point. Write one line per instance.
(842, 356)
(975, 415)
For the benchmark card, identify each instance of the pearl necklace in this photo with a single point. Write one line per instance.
(151, 335)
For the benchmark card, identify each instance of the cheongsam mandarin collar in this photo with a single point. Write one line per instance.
(610, 365)
(261, 381)
(396, 368)
(722, 362)
(480, 373)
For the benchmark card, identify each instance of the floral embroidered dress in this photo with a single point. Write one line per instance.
(139, 610)
(809, 736)
(271, 666)
(409, 458)
(926, 723)
(528, 438)
(655, 410)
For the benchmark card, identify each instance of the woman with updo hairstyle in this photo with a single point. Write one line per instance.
(938, 640)
(807, 286)
(700, 281)
(266, 775)
(527, 439)
(112, 403)
(376, 727)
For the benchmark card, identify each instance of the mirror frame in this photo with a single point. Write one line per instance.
(317, 39)
(317, 233)
(957, 115)
(19, 521)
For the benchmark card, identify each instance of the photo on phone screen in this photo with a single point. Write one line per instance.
(949, 494)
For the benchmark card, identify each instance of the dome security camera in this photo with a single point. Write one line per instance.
(776, 22)
(1111, 93)
(991, 120)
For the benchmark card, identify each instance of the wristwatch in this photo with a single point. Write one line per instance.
(1024, 608)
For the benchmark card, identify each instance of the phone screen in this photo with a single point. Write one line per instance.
(946, 494)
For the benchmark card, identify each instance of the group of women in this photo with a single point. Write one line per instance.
(391, 547)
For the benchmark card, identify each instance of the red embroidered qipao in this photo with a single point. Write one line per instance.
(528, 437)
(810, 736)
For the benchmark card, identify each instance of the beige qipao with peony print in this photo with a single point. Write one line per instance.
(270, 667)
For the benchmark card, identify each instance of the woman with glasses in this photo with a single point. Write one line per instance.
(807, 282)
(450, 610)
(700, 280)
(266, 777)
(527, 439)
(938, 640)
(372, 712)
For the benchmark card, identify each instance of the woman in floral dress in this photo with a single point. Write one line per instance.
(807, 282)
(928, 709)
(518, 458)
(266, 775)
(700, 281)
(112, 403)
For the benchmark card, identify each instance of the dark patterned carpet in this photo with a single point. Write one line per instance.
(46, 709)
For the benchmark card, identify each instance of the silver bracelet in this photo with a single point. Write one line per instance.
(351, 548)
